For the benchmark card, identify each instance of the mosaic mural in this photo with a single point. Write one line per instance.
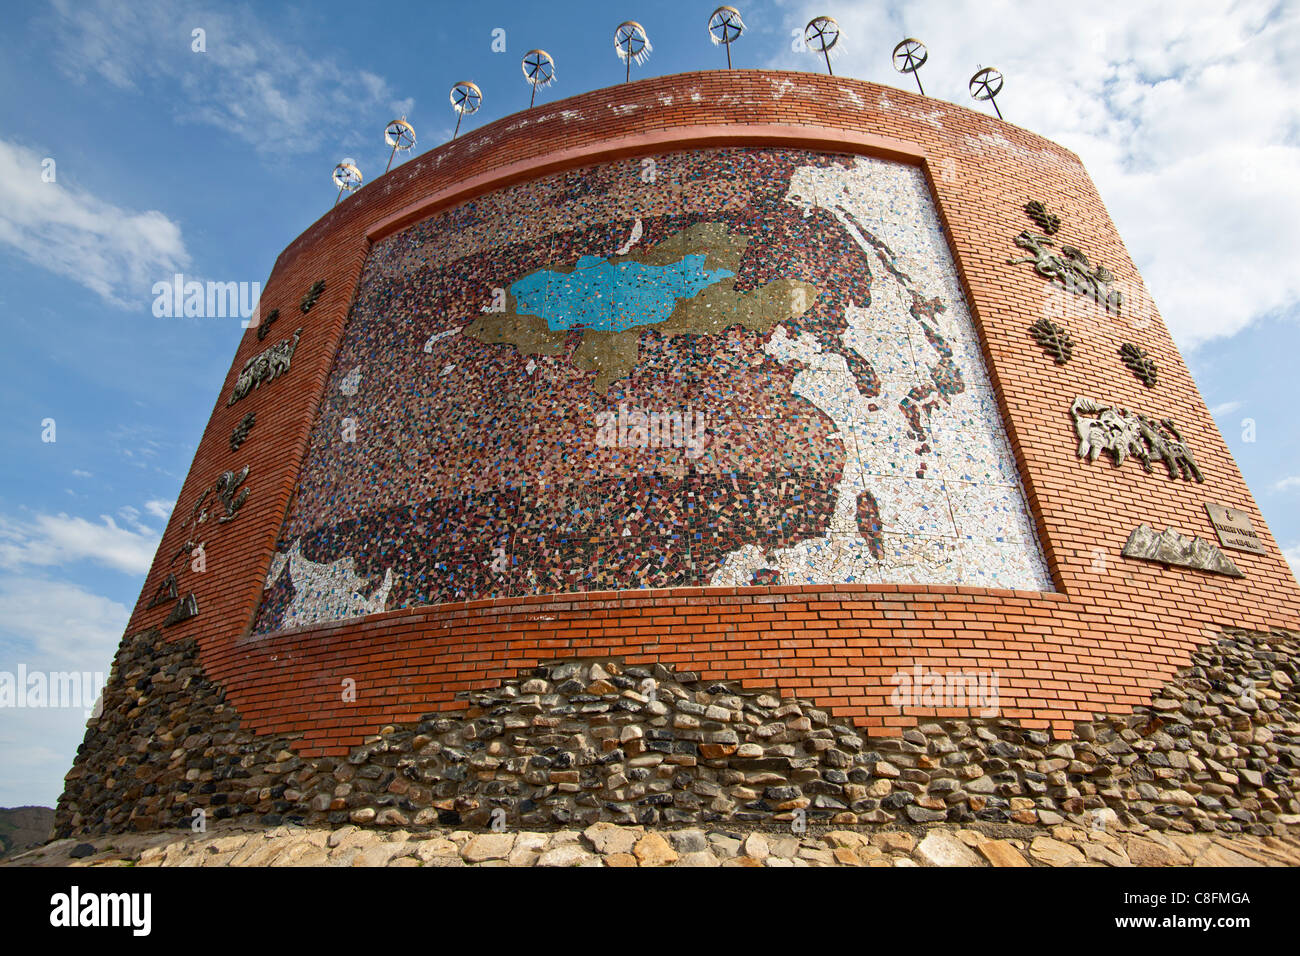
(719, 367)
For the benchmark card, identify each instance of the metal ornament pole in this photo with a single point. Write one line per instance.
(539, 70)
(909, 56)
(725, 26)
(986, 84)
(465, 98)
(347, 177)
(398, 134)
(631, 43)
(821, 35)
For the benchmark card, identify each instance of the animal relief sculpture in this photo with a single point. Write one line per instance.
(264, 367)
(1103, 428)
(1173, 451)
(1120, 433)
(1072, 269)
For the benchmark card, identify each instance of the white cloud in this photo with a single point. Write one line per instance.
(159, 508)
(36, 749)
(1184, 115)
(49, 626)
(115, 252)
(1292, 555)
(58, 625)
(1287, 483)
(47, 540)
(1225, 408)
(275, 95)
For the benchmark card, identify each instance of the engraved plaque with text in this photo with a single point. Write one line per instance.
(1234, 529)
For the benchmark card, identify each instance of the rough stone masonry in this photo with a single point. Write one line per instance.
(577, 742)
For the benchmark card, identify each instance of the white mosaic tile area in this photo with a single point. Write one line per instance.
(966, 521)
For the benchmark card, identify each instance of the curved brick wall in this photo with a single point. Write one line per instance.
(1094, 633)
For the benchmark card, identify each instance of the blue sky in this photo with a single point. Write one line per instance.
(208, 163)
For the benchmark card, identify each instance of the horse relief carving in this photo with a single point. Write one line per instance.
(1072, 269)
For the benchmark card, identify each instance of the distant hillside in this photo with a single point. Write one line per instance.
(23, 827)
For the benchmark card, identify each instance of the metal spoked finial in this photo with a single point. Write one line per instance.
(398, 134)
(631, 43)
(909, 56)
(725, 26)
(986, 84)
(821, 35)
(539, 70)
(346, 176)
(466, 98)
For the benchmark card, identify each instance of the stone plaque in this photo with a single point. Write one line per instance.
(1234, 529)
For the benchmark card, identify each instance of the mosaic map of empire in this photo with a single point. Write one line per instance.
(720, 367)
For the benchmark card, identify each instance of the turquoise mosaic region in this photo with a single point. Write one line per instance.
(585, 298)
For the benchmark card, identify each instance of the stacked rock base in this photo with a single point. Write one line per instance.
(576, 742)
(611, 844)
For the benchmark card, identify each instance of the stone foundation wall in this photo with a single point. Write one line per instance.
(579, 741)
